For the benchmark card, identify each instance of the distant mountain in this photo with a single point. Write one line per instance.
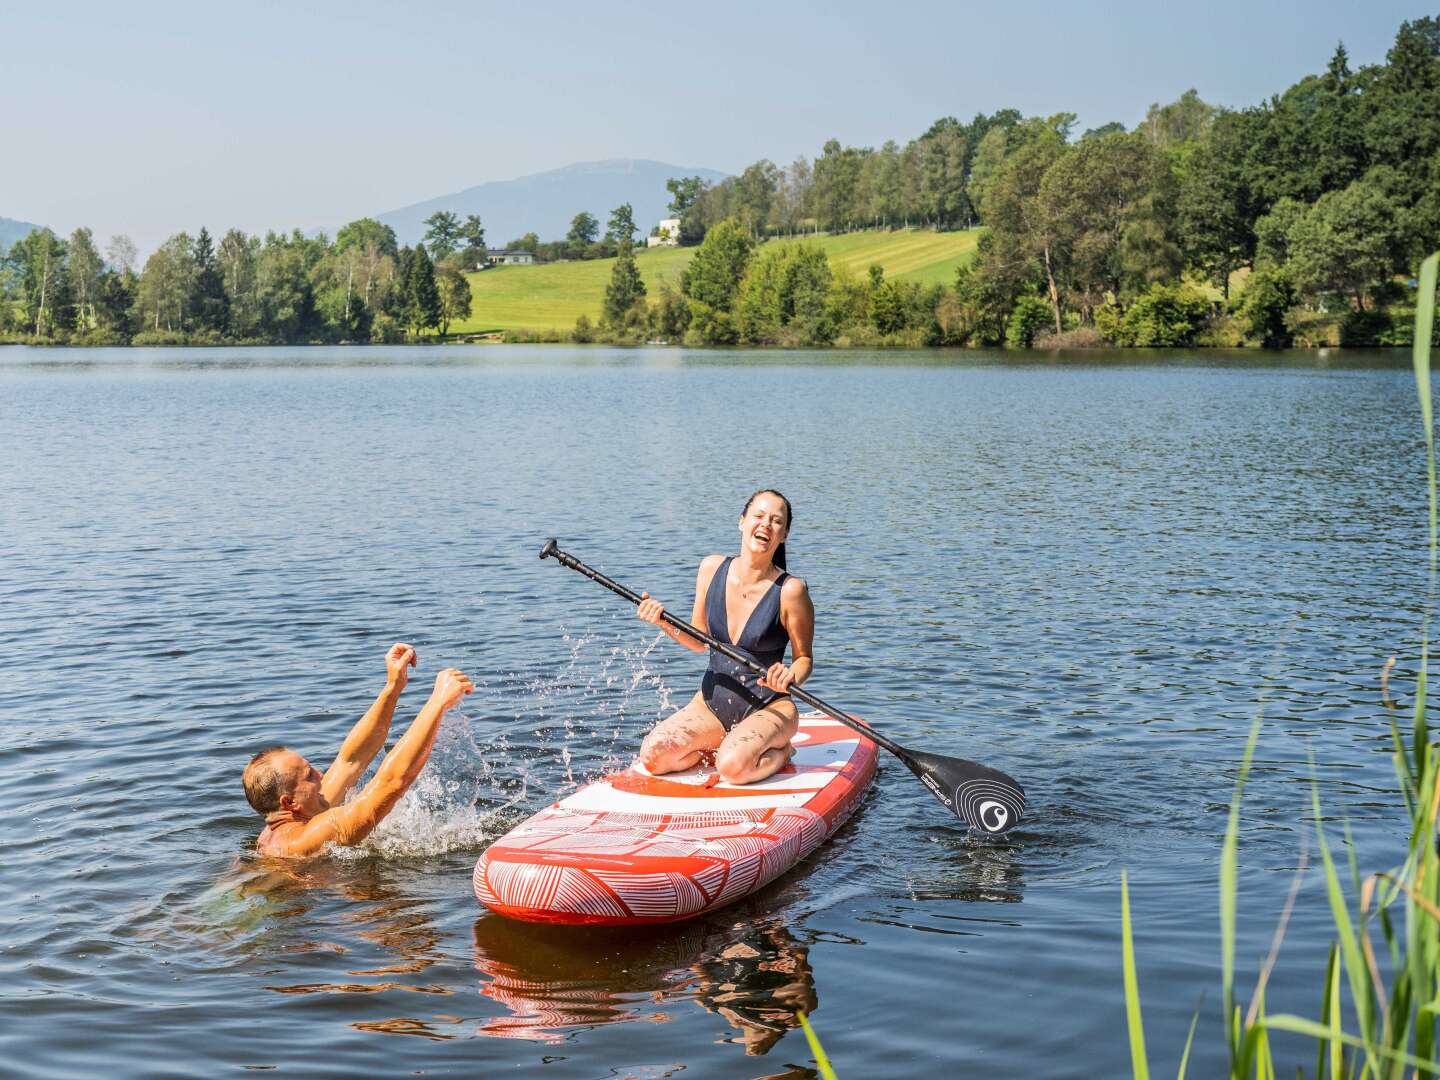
(546, 202)
(12, 230)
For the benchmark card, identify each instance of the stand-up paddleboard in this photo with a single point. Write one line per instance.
(635, 848)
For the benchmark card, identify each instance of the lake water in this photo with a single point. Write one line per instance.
(1092, 575)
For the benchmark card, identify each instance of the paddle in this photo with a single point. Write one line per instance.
(984, 798)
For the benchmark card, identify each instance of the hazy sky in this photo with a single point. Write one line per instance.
(148, 118)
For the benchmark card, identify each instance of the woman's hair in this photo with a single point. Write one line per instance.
(789, 519)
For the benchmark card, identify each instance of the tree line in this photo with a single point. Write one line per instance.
(1323, 199)
(362, 286)
(1298, 220)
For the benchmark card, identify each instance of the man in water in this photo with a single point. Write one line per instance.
(303, 809)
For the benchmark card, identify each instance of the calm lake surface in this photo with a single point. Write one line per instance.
(1091, 575)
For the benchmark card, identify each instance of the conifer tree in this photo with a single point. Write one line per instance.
(208, 303)
(422, 295)
(626, 288)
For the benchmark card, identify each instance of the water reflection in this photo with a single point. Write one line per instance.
(377, 911)
(756, 974)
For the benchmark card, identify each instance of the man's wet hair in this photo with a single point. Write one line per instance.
(264, 783)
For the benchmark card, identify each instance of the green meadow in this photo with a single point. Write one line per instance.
(554, 295)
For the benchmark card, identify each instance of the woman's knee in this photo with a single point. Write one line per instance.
(735, 762)
(737, 757)
(657, 747)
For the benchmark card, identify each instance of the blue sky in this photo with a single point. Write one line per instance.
(149, 118)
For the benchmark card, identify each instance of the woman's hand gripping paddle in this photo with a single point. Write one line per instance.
(985, 799)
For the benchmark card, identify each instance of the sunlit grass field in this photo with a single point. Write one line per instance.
(553, 296)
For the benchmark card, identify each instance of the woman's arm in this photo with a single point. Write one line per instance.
(797, 615)
(650, 610)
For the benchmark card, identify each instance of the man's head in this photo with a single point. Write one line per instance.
(277, 778)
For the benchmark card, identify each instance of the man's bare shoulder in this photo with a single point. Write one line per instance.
(296, 839)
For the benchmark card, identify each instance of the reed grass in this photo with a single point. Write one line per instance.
(822, 1062)
(1370, 1026)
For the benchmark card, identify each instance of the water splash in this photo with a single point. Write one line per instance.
(464, 799)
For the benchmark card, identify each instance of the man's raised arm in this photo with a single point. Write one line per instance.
(351, 823)
(369, 733)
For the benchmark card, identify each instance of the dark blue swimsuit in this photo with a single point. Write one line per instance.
(732, 692)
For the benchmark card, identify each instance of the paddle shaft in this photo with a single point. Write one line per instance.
(565, 559)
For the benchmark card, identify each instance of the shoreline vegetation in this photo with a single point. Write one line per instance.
(1377, 1006)
(1297, 222)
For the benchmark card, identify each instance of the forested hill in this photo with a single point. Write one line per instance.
(12, 230)
(545, 203)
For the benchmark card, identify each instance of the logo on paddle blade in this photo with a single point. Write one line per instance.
(993, 816)
(989, 806)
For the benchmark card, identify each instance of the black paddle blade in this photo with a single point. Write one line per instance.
(985, 799)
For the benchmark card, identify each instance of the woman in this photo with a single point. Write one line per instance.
(750, 602)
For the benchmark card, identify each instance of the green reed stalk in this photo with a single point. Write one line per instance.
(821, 1061)
(1241, 1048)
(1396, 1023)
(1139, 1063)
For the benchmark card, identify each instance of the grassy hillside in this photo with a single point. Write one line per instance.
(555, 295)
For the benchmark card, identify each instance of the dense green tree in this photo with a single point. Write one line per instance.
(883, 179)
(1272, 231)
(454, 292)
(420, 306)
(1267, 299)
(836, 190)
(795, 195)
(38, 262)
(284, 287)
(238, 256)
(370, 251)
(1347, 244)
(85, 267)
(754, 195)
(473, 234)
(368, 233)
(1026, 224)
(583, 229)
(621, 229)
(1216, 207)
(626, 287)
(529, 242)
(784, 297)
(114, 301)
(713, 276)
(943, 172)
(711, 282)
(208, 304)
(1184, 120)
(1164, 316)
(670, 314)
(1112, 128)
(1092, 195)
(442, 234)
(684, 190)
(1027, 322)
(166, 285)
(887, 307)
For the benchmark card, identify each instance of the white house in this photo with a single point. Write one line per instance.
(667, 233)
(495, 257)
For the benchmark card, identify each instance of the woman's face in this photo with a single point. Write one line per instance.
(765, 524)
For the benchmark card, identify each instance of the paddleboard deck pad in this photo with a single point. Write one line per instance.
(635, 848)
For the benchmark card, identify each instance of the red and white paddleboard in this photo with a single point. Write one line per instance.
(635, 848)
